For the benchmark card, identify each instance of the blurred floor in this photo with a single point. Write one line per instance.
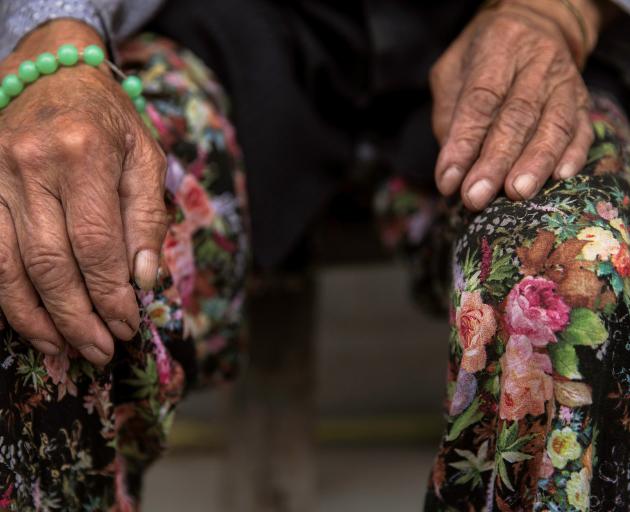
(381, 371)
(376, 352)
(350, 480)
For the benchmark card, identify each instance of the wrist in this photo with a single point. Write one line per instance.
(48, 37)
(79, 51)
(579, 21)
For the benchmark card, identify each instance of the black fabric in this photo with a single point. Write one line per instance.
(312, 79)
(319, 84)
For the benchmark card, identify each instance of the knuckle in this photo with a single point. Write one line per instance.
(482, 100)
(467, 144)
(77, 137)
(519, 116)
(153, 218)
(562, 126)
(26, 150)
(91, 240)
(46, 267)
(547, 152)
(497, 157)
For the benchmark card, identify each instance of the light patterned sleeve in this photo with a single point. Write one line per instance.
(113, 19)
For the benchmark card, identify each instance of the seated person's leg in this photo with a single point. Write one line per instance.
(73, 436)
(539, 356)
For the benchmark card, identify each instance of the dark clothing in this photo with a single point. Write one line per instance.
(320, 85)
(317, 85)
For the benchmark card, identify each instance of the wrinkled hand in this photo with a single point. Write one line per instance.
(81, 205)
(510, 106)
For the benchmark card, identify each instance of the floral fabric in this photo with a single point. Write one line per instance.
(75, 438)
(538, 395)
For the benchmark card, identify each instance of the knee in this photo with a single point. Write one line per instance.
(572, 234)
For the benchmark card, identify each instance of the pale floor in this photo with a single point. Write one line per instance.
(350, 480)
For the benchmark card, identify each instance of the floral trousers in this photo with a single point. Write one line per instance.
(76, 438)
(538, 391)
(538, 388)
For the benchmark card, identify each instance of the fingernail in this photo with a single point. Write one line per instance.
(121, 329)
(145, 269)
(95, 355)
(480, 193)
(567, 171)
(46, 347)
(526, 185)
(451, 177)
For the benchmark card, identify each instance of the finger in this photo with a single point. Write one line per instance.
(541, 155)
(576, 154)
(482, 95)
(18, 299)
(510, 131)
(95, 232)
(144, 217)
(50, 265)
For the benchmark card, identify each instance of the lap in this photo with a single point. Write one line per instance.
(74, 434)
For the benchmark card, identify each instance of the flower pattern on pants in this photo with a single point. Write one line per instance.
(540, 419)
(75, 438)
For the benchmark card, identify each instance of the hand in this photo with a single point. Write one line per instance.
(510, 105)
(81, 204)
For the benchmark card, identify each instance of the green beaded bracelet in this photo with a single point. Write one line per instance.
(68, 55)
(46, 63)
(28, 72)
(12, 85)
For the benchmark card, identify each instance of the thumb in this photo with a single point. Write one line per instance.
(143, 211)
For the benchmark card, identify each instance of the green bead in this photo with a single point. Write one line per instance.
(12, 85)
(132, 86)
(46, 63)
(4, 99)
(68, 54)
(141, 103)
(93, 55)
(28, 72)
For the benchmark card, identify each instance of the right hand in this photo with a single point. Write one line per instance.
(81, 203)
(510, 105)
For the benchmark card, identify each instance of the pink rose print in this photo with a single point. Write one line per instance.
(179, 258)
(57, 369)
(526, 382)
(195, 202)
(606, 210)
(534, 309)
(476, 326)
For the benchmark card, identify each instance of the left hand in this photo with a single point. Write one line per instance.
(510, 105)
